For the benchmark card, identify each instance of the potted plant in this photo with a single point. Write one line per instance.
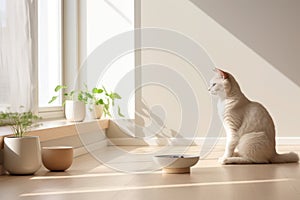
(100, 101)
(74, 103)
(22, 154)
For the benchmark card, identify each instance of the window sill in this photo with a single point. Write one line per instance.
(56, 129)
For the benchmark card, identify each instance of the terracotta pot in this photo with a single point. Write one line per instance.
(97, 111)
(22, 155)
(57, 158)
(74, 110)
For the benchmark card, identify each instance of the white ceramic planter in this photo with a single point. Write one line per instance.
(97, 111)
(74, 110)
(22, 155)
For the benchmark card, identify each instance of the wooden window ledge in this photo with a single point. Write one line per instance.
(50, 130)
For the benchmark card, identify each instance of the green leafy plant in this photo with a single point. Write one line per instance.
(72, 95)
(20, 122)
(96, 96)
(100, 96)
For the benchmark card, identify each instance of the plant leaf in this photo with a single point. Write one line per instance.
(106, 93)
(100, 91)
(94, 90)
(119, 112)
(89, 95)
(115, 96)
(53, 99)
(59, 87)
(97, 91)
(101, 101)
(80, 97)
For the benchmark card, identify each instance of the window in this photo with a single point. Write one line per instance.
(2, 13)
(49, 54)
(50, 49)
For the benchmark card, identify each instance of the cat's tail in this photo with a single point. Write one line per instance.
(285, 158)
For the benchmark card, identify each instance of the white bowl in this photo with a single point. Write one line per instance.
(176, 163)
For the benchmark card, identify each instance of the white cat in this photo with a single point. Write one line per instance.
(248, 125)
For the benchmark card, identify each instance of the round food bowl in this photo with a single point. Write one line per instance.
(58, 158)
(176, 164)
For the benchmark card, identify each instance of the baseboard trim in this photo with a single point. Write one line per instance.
(288, 140)
(162, 141)
(186, 141)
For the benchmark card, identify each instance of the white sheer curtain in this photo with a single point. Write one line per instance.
(18, 54)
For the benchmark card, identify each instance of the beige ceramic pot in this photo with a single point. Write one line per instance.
(22, 155)
(57, 158)
(96, 111)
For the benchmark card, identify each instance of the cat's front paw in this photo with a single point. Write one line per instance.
(223, 160)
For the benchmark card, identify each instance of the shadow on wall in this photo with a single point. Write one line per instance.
(148, 128)
(271, 28)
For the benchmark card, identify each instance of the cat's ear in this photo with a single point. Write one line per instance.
(223, 74)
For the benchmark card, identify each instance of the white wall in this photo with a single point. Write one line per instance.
(270, 28)
(99, 23)
(259, 79)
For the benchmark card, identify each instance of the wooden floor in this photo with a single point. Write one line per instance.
(88, 179)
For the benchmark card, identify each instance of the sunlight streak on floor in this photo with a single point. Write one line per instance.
(128, 188)
(85, 176)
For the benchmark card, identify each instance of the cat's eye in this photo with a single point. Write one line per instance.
(214, 84)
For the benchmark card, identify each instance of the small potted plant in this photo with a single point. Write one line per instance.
(74, 103)
(22, 154)
(100, 101)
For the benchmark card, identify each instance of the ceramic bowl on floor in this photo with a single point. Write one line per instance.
(57, 158)
(176, 164)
